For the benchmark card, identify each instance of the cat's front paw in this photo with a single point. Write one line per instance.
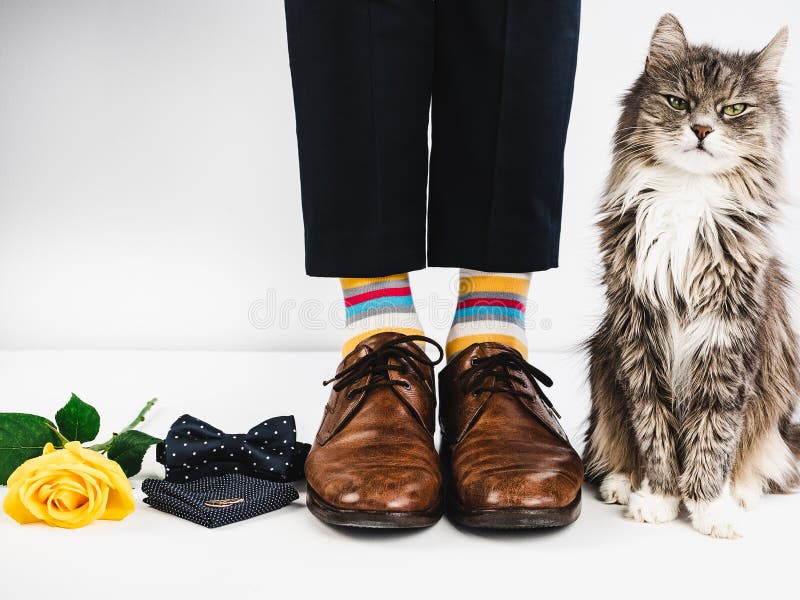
(747, 494)
(719, 518)
(616, 488)
(646, 506)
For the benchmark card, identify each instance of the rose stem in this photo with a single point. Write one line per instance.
(58, 433)
(139, 418)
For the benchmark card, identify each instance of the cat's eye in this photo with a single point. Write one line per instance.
(733, 110)
(678, 103)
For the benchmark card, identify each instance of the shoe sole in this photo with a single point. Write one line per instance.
(515, 518)
(371, 519)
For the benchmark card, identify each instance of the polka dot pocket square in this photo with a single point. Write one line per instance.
(216, 501)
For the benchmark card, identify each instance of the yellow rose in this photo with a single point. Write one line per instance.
(69, 488)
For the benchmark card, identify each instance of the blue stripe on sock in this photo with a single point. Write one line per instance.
(490, 311)
(386, 301)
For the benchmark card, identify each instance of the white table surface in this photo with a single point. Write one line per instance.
(152, 553)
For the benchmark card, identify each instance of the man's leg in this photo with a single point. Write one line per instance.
(503, 80)
(361, 72)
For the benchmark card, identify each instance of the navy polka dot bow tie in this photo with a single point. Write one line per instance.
(195, 449)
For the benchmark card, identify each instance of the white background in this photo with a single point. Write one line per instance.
(149, 190)
(149, 200)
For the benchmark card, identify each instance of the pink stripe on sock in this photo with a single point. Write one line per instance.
(491, 302)
(358, 299)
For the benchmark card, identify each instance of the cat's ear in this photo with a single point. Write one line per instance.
(769, 59)
(667, 46)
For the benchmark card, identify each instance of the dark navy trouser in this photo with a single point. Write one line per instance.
(500, 75)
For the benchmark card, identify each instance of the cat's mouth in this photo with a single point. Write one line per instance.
(700, 148)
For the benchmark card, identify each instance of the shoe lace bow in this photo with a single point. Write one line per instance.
(377, 368)
(502, 369)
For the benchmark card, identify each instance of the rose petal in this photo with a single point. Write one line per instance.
(14, 507)
(67, 499)
(120, 504)
(28, 495)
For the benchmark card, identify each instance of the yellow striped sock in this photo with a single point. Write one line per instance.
(377, 304)
(490, 308)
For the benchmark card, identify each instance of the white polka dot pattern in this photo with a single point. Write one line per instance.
(193, 449)
(216, 501)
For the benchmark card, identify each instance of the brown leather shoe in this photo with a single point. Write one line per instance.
(508, 462)
(373, 463)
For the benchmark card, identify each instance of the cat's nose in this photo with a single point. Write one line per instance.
(702, 131)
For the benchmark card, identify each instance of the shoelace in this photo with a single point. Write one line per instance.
(375, 366)
(505, 367)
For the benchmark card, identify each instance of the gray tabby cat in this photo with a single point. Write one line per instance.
(694, 369)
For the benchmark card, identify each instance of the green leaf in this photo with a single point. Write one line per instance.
(22, 436)
(78, 421)
(128, 449)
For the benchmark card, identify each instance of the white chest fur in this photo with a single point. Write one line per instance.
(678, 217)
(678, 220)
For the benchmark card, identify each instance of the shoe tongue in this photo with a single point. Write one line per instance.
(379, 339)
(463, 360)
(491, 348)
(374, 342)
(483, 350)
